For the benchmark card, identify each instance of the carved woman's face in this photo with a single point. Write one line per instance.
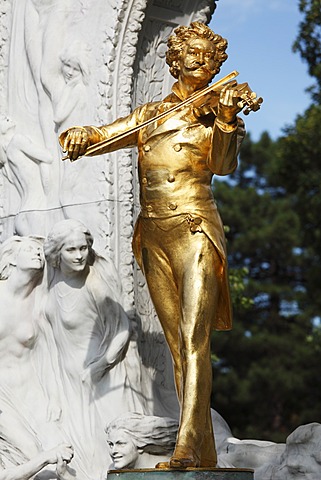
(122, 449)
(71, 71)
(74, 254)
(30, 255)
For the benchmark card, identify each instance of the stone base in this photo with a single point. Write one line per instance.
(186, 474)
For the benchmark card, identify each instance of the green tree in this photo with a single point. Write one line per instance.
(298, 168)
(261, 376)
(266, 371)
(308, 41)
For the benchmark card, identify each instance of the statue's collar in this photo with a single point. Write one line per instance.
(177, 92)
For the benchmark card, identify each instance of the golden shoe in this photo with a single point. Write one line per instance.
(184, 457)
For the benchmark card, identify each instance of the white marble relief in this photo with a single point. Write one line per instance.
(25, 166)
(27, 375)
(92, 333)
(66, 348)
(140, 441)
(15, 467)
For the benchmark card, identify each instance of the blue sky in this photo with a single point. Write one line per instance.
(260, 35)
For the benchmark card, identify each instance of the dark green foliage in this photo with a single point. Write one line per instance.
(266, 370)
(300, 151)
(308, 42)
(266, 379)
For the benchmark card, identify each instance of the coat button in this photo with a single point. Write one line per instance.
(172, 206)
(144, 180)
(146, 148)
(171, 178)
(177, 147)
(149, 208)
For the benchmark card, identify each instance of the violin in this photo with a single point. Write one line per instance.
(208, 96)
(243, 96)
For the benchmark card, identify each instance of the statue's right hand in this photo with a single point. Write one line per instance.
(74, 142)
(63, 452)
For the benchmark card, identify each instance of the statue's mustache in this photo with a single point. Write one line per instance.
(198, 66)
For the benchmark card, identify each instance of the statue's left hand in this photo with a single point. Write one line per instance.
(228, 105)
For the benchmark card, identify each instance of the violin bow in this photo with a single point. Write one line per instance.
(98, 148)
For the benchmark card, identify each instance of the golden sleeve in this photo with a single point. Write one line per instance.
(226, 143)
(121, 126)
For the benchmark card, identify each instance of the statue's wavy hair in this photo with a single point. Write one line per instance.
(182, 34)
(150, 434)
(78, 53)
(103, 266)
(9, 251)
(58, 236)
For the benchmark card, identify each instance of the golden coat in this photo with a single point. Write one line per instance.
(177, 157)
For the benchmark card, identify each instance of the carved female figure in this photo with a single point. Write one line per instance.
(91, 331)
(70, 89)
(23, 348)
(26, 166)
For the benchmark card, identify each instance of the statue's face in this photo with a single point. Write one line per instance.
(74, 253)
(123, 451)
(197, 62)
(71, 71)
(30, 255)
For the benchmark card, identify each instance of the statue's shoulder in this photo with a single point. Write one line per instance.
(171, 98)
(103, 280)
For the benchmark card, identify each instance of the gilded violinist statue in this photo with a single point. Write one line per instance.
(179, 240)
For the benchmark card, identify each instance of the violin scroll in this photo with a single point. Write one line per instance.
(250, 101)
(247, 99)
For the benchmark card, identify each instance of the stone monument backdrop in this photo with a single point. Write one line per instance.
(75, 354)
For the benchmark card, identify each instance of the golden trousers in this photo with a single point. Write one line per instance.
(180, 269)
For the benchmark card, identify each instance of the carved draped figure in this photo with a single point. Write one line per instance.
(90, 328)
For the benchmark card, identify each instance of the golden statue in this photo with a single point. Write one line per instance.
(179, 240)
